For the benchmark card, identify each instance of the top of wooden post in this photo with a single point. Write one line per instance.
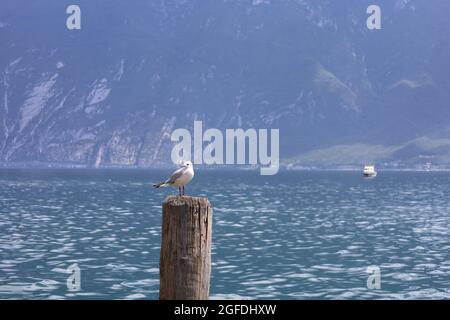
(175, 201)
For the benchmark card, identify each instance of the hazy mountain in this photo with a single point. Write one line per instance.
(112, 92)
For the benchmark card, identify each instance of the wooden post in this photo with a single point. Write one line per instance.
(185, 261)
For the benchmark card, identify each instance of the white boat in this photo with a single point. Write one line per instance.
(369, 171)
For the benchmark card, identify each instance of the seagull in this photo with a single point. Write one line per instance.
(179, 178)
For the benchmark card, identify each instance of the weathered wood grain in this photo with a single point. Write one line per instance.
(185, 261)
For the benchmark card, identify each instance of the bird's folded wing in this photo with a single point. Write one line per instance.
(176, 175)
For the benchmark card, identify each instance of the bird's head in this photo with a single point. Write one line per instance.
(187, 164)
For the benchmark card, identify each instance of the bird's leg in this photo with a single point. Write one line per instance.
(179, 190)
(183, 191)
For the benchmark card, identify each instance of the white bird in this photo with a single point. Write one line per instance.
(179, 178)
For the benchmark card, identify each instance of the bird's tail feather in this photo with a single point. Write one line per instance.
(159, 185)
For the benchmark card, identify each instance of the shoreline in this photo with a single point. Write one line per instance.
(205, 168)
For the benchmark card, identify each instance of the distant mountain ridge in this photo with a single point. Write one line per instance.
(111, 93)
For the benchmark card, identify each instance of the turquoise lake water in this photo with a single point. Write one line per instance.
(296, 235)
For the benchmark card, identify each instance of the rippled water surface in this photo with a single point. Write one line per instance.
(296, 235)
